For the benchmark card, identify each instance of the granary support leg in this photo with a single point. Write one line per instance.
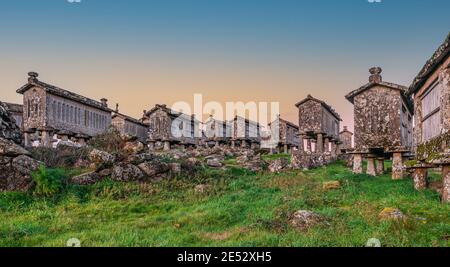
(397, 166)
(308, 145)
(300, 144)
(166, 145)
(319, 144)
(326, 145)
(45, 139)
(233, 143)
(151, 146)
(420, 177)
(333, 150)
(357, 164)
(27, 139)
(286, 149)
(371, 166)
(446, 184)
(380, 166)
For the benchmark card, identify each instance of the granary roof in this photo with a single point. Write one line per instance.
(17, 108)
(54, 90)
(171, 112)
(441, 54)
(325, 105)
(376, 79)
(128, 118)
(246, 120)
(287, 122)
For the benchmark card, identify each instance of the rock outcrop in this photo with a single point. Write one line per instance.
(8, 127)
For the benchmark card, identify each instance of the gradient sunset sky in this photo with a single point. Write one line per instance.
(143, 52)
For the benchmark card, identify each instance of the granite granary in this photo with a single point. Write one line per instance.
(168, 127)
(52, 114)
(383, 124)
(431, 93)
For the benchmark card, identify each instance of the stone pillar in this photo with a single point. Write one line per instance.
(333, 150)
(380, 166)
(420, 177)
(326, 145)
(300, 144)
(27, 140)
(46, 139)
(217, 144)
(357, 164)
(233, 144)
(243, 144)
(151, 146)
(446, 184)
(286, 149)
(308, 145)
(166, 145)
(319, 144)
(397, 166)
(81, 141)
(371, 166)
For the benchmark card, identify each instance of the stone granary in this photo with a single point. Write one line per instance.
(383, 124)
(16, 111)
(346, 138)
(217, 132)
(319, 123)
(431, 93)
(127, 125)
(168, 127)
(288, 135)
(245, 133)
(50, 111)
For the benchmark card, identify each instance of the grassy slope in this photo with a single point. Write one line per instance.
(243, 210)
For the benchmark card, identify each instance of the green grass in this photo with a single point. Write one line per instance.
(242, 209)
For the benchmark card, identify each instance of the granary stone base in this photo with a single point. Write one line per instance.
(420, 177)
(357, 164)
(380, 166)
(446, 184)
(397, 166)
(371, 166)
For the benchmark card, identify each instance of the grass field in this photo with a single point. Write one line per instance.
(242, 209)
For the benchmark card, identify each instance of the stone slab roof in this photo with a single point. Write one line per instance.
(325, 105)
(287, 122)
(54, 90)
(14, 108)
(174, 114)
(128, 118)
(441, 54)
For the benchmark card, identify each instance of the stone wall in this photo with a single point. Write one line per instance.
(310, 117)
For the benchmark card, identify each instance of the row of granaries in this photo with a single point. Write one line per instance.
(383, 117)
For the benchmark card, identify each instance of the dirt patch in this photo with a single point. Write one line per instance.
(225, 235)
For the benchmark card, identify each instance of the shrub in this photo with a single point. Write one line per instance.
(61, 156)
(49, 182)
(110, 141)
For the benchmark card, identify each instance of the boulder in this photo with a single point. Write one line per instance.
(154, 168)
(202, 189)
(10, 149)
(137, 159)
(392, 214)
(133, 147)
(278, 165)
(126, 173)
(256, 164)
(214, 163)
(8, 127)
(303, 220)
(175, 168)
(86, 178)
(331, 185)
(101, 159)
(15, 173)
